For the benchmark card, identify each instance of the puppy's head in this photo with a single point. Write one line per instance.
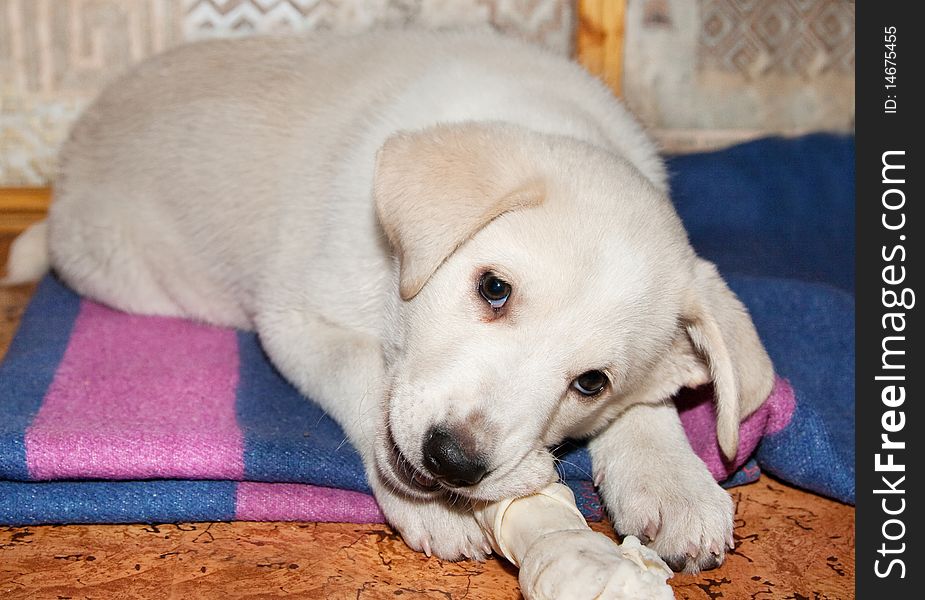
(546, 285)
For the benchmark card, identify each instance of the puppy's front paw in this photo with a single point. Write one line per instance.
(435, 527)
(686, 516)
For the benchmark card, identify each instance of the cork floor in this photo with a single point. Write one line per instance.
(789, 545)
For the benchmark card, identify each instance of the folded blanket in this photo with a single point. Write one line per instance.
(110, 417)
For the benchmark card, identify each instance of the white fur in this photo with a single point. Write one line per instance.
(237, 182)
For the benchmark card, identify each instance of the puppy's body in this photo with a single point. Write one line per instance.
(262, 184)
(262, 139)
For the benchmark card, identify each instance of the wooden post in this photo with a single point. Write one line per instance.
(20, 207)
(600, 39)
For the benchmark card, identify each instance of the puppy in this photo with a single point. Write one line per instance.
(459, 245)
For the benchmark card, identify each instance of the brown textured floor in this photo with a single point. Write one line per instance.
(789, 545)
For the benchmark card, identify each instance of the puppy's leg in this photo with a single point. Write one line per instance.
(656, 487)
(343, 371)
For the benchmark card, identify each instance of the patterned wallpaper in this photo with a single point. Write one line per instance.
(713, 72)
(56, 54)
(754, 39)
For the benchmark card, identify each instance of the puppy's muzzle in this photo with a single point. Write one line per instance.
(450, 462)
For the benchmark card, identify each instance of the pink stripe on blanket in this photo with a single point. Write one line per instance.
(698, 416)
(111, 413)
(300, 502)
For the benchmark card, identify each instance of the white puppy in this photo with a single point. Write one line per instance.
(459, 245)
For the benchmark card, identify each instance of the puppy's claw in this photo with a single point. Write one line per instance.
(650, 531)
(425, 545)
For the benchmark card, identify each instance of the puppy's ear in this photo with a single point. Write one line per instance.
(434, 189)
(722, 332)
(719, 344)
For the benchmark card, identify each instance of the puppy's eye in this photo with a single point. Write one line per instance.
(590, 383)
(494, 290)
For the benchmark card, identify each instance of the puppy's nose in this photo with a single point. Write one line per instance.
(446, 459)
